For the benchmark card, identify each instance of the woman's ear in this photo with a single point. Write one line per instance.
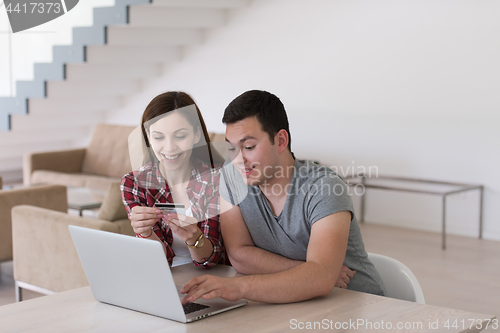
(197, 135)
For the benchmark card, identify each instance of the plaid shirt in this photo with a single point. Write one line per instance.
(146, 186)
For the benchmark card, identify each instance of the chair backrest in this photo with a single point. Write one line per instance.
(398, 279)
(107, 153)
(51, 197)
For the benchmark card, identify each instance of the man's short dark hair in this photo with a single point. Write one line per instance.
(267, 107)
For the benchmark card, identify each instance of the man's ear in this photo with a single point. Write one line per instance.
(281, 139)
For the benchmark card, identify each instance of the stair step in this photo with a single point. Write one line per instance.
(202, 3)
(64, 89)
(141, 36)
(68, 54)
(11, 176)
(16, 150)
(39, 135)
(13, 145)
(103, 16)
(73, 105)
(89, 35)
(30, 89)
(55, 121)
(162, 16)
(95, 72)
(13, 163)
(48, 71)
(109, 54)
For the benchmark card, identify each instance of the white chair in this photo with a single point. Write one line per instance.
(398, 279)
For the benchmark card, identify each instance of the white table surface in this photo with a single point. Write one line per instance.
(78, 311)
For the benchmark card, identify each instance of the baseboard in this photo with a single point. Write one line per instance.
(457, 230)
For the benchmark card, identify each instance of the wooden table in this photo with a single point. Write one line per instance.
(78, 311)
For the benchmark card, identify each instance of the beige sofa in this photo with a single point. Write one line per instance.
(45, 259)
(50, 196)
(104, 161)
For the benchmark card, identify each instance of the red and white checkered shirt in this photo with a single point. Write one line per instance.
(146, 186)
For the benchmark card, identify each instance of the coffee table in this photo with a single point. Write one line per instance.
(82, 198)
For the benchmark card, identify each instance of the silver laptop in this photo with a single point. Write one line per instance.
(133, 273)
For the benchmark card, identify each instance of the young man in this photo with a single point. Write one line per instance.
(288, 224)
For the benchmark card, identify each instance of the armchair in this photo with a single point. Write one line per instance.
(52, 197)
(45, 259)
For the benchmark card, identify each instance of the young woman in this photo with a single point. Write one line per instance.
(180, 168)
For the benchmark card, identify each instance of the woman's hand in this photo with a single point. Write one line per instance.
(143, 219)
(185, 227)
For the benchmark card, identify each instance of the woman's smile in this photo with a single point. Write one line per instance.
(171, 158)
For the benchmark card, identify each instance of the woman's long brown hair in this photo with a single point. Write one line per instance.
(171, 101)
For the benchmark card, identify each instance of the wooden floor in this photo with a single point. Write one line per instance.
(466, 276)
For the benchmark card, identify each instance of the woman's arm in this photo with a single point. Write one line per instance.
(144, 219)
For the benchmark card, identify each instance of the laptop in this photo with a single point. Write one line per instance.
(133, 273)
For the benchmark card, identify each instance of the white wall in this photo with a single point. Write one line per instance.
(411, 87)
(35, 45)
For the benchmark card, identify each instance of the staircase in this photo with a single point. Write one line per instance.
(127, 45)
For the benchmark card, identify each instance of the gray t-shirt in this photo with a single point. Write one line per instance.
(314, 192)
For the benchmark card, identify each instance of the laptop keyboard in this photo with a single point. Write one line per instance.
(192, 307)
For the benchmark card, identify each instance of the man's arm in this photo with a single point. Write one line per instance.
(315, 277)
(245, 257)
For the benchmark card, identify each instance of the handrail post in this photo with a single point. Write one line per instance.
(444, 222)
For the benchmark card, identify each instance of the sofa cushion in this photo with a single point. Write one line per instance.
(72, 179)
(107, 153)
(112, 207)
(125, 227)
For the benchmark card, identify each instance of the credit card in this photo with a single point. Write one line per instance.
(171, 208)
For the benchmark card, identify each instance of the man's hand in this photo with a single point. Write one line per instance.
(345, 277)
(208, 287)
